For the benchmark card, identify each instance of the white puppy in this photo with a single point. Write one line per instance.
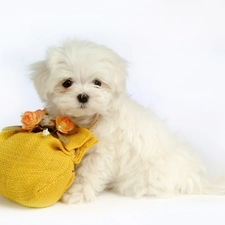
(136, 154)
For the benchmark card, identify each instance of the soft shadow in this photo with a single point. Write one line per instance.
(6, 203)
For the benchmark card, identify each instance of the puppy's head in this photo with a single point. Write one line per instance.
(80, 78)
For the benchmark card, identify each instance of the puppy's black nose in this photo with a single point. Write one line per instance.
(83, 98)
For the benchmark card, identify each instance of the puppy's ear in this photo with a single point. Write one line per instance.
(115, 73)
(44, 73)
(40, 75)
(55, 57)
(120, 75)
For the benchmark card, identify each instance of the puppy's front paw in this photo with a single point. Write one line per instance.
(79, 193)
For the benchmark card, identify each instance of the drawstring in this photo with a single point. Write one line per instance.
(94, 123)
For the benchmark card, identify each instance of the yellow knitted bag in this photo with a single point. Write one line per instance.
(35, 171)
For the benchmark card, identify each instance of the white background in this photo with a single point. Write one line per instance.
(176, 50)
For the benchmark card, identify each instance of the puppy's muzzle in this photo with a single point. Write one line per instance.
(82, 98)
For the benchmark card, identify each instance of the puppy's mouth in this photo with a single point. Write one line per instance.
(83, 106)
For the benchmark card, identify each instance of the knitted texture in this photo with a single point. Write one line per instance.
(35, 170)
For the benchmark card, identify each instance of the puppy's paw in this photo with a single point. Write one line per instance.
(78, 194)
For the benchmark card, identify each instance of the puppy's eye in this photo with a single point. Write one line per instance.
(97, 83)
(67, 83)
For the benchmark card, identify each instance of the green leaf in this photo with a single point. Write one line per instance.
(63, 139)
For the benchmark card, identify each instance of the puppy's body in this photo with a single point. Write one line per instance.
(136, 154)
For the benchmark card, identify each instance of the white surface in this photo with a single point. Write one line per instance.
(116, 210)
(176, 51)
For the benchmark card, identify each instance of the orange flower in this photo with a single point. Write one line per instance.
(64, 124)
(31, 119)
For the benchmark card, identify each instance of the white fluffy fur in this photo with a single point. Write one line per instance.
(136, 154)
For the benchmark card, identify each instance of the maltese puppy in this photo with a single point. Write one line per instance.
(136, 155)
